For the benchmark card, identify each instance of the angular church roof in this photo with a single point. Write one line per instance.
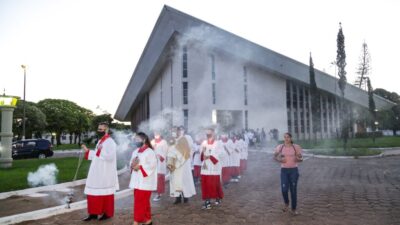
(172, 23)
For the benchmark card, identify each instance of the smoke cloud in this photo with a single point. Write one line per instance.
(45, 175)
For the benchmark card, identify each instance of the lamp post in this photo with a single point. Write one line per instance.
(7, 105)
(23, 104)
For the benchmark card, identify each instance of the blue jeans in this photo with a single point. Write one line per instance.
(289, 178)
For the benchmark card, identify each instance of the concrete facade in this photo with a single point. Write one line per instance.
(205, 75)
(231, 78)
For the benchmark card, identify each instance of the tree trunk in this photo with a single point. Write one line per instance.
(79, 139)
(58, 138)
(75, 138)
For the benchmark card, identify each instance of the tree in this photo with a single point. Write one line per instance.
(101, 118)
(341, 64)
(389, 119)
(315, 101)
(372, 108)
(392, 96)
(120, 126)
(35, 120)
(83, 124)
(62, 115)
(108, 118)
(363, 67)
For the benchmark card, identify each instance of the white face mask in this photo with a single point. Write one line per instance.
(174, 135)
(157, 136)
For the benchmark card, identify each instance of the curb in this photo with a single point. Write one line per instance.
(54, 187)
(48, 212)
(383, 154)
(353, 157)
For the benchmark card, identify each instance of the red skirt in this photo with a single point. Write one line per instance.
(141, 206)
(161, 183)
(226, 174)
(100, 204)
(211, 187)
(235, 171)
(196, 171)
(243, 165)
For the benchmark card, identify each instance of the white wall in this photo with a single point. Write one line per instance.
(266, 101)
(266, 93)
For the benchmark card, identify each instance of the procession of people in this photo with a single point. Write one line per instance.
(212, 162)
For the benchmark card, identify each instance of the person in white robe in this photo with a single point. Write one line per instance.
(102, 180)
(143, 181)
(179, 165)
(161, 148)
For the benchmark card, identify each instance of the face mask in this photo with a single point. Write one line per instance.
(157, 137)
(138, 144)
(100, 134)
(174, 134)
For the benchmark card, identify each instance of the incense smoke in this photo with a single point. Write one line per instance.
(45, 175)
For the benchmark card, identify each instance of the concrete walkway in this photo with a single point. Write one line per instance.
(331, 191)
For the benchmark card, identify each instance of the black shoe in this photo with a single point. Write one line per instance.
(104, 217)
(178, 200)
(207, 205)
(90, 217)
(151, 223)
(185, 200)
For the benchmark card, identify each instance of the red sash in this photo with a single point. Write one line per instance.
(100, 145)
(141, 149)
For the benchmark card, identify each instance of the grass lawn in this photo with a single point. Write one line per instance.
(362, 143)
(15, 178)
(70, 147)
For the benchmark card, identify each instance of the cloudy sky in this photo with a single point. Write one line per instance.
(86, 50)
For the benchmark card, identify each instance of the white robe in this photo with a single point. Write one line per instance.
(211, 150)
(102, 178)
(181, 179)
(226, 152)
(235, 156)
(196, 156)
(148, 163)
(161, 150)
(245, 151)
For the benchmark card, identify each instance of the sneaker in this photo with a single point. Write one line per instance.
(207, 205)
(294, 212)
(285, 208)
(236, 180)
(239, 177)
(157, 198)
(217, 202)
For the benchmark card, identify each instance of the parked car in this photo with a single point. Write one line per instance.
(32, 148)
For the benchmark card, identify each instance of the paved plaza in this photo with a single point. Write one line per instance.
(331, 191)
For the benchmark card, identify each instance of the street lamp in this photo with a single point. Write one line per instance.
(23, 104)
(376, 125)
(7, 105)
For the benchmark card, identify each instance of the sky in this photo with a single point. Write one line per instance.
(85, 51)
